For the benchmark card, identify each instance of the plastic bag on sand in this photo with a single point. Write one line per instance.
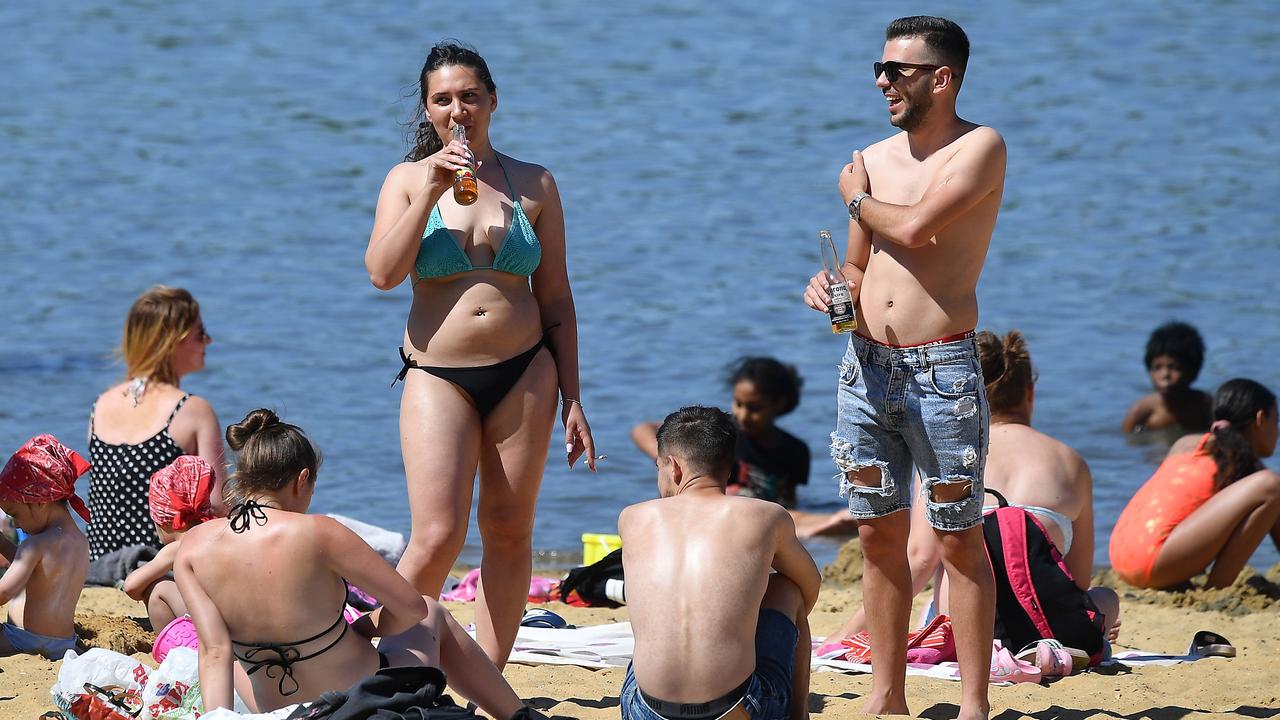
(101, 667)
(169, 685)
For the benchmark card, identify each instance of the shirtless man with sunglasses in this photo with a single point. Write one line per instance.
(922, 207)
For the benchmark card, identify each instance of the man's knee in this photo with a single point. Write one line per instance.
(965, 549)
(952, 491)
(1107, 602)
(870, 476)
(783, 595)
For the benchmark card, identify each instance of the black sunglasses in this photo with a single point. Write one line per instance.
(892, 69)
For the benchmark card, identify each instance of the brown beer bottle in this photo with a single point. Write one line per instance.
(465, 190)
(843, 317)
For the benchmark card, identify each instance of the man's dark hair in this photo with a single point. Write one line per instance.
(1181, 342)
(704, 436)
(944, 38)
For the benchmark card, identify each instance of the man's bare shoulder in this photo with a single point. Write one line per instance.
(984, 139)
(885, 147)
(765, 511)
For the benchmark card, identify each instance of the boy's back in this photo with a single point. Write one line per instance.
(696, 570)
(713, 628)
(60, 556)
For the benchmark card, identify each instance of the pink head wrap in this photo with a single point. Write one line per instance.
(179, 493)
(1219, 425)
(44, 471)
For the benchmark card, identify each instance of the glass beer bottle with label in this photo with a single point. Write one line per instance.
(465, 190)
(843, 317)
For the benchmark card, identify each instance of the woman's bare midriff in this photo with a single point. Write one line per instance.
(473, 318)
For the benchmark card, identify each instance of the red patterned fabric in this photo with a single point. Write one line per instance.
(179, 493)
(44, 471)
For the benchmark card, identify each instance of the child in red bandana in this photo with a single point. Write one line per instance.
(47, 571)
(179, 499)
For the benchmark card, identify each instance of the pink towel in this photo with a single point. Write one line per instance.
(465, 591)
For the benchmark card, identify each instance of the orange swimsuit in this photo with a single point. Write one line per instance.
(1181, 484)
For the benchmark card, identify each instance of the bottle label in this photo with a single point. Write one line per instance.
(841, 306)
(463, 174)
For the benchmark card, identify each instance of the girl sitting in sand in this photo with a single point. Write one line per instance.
(179, 499)
(266, 587)
(1211, 502)
(771, 461)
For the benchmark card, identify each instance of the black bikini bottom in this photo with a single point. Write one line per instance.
(486, 385)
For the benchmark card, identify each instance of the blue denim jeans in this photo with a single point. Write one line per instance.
(768, 694)
(924, 407)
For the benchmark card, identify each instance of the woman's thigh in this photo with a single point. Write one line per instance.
(440, 441)
(513, 452)
(1198, 539)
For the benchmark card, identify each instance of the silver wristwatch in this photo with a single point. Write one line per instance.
(855, 205)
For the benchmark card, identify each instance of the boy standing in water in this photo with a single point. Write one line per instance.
(46, 572)
(716, 634)
(1175, 354)
(922, 206)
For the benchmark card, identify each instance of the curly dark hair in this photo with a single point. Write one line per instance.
(426, 141)
(1180, 341)
(773, 379)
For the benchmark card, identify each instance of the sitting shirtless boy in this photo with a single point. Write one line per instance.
(716, 635)
(43, 581)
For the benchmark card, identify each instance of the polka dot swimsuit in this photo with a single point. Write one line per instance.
(118, 488)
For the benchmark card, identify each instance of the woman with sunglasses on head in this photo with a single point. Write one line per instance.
(144, 422)
(490, 341)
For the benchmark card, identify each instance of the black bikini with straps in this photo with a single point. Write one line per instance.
(286, 655)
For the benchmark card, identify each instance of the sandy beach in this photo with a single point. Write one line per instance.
(1161, 622)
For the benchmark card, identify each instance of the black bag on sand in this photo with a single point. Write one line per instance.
(1036, 597)
(396, 693)
(590, 580)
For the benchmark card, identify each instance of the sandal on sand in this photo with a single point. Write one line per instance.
(1006, 668)
(1054, 659)
(1210, 644)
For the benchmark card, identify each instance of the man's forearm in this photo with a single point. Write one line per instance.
(899, 224)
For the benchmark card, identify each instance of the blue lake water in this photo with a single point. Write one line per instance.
(237, 150)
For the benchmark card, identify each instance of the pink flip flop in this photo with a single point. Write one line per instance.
(180, 632)
(1054, 659)
(1006, 668)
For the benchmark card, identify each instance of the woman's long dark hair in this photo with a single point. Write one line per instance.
(1237, 404)
(426, 141)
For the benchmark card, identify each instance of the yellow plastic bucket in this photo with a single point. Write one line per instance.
(596, 545)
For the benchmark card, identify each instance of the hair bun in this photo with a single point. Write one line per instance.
(253, 423)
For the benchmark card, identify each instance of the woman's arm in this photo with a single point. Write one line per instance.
(353, 559)
(139, 581)
(215, 641)
(208, 435)
(1079, 558)
(555, 301)
(403, 210)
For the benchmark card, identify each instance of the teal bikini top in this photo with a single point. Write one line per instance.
(439, 254)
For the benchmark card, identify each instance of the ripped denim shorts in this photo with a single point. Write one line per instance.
(923, 406)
